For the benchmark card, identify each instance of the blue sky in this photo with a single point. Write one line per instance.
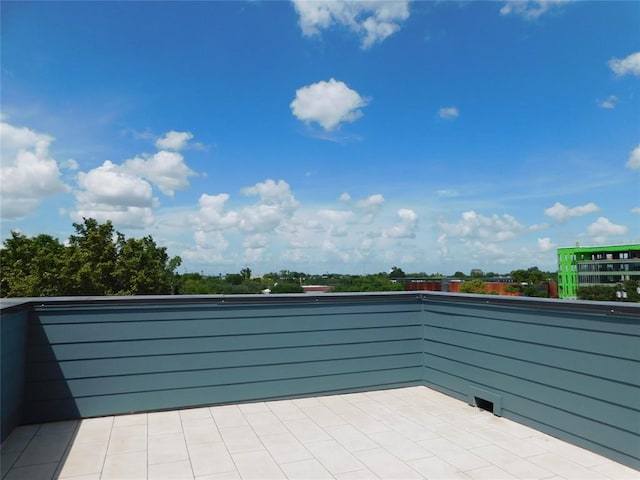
(326, 136)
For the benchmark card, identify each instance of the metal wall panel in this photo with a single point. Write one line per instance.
(13, 335)
(569, 372)
(87, 360)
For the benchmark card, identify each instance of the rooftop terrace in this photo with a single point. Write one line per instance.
(406, 433)
(329, 386)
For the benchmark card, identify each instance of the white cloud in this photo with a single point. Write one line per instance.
(373, 21)
(164, 169)
(561, 213)
(110, 192)
(328, 104)
(110, 184)
(345, 197)
(212, 215)
(626, 66)
(275, 205)
(603, 228)
(609, 103)
(634, 159)
(406, 227)
(370, 206)
(545, 244)
(211, 240)
(635, 210)
(497, 228)
(28, 173)
(448, 113)
(123, 193)
(529, 9)
(123, 216)
(173, 140)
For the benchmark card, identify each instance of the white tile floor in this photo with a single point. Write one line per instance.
(390, 434)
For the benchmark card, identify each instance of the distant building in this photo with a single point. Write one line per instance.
(316, 288)
(494, 285)
(589, 266)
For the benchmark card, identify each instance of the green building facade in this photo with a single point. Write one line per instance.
(603, 265)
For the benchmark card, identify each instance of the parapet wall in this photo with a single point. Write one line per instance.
(569, 369)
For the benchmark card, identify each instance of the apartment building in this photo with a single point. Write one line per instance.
(603, 265)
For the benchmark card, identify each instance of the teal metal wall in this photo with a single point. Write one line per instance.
(571, 369)
(13, 341)
(86, 360)
(571, 372)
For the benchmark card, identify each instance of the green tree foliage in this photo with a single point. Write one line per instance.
(396, 273)
(533, 282)
(378, 282)
(609, 293)
(473, 286)
(32, 267)
(97, 261)
(602, 293)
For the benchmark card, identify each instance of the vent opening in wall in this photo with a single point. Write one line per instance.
(485, 400)
(483, 404)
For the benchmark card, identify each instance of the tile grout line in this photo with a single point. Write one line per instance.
(186, 445)
(260, 439)
(67, 450)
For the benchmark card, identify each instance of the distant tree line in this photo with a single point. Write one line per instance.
(98, 260)
(626, 291)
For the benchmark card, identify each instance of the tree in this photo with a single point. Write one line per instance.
(529, 280)
(473, 286)
(602, 293)
(92, 259)
(378, 282)
(246, 273)
(97, 261)
(32, 267)
(144, 268)
(396, 273)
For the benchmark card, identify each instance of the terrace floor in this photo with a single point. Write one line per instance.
(402, 433)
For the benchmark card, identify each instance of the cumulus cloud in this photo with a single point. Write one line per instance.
(562, 213)
(275, 205)
(112, 185)
(345, 197)
(545, 244)
(629, 65)
(327, 103)
(448, 113)
(603, 228)
(372, 21)
(529, 9)
(496, 228)
(370, 207)
(28, 172)
(406, 227)
(109, 192)
(634, 159)
(164, 169)
(123, 193)
(635, 210)
(212, 213)
(609, 102)
(173, 140)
